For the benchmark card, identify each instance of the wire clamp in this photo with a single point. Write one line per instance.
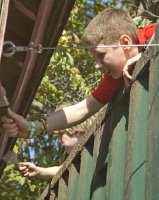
(9, 48)
(34, 48)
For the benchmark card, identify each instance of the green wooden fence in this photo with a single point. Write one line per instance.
(118, 159)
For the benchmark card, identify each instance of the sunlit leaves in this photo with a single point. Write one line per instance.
(141, 21)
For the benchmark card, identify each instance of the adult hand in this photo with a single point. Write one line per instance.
(128, 66)
(15, 126)
(27, 169)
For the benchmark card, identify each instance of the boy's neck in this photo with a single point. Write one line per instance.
(135, 51)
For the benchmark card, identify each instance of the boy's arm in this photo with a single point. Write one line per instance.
(28, 169)
(73, 115)
(143, 35)
(47, 173)
(128, 66)
(19, 127)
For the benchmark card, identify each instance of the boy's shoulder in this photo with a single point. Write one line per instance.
(106, 89)
(145, 33)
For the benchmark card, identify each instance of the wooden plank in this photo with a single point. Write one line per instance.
(152, 170)
(44, 194)
(3, 20)
(52, 195)
(62, 188)
(25, 25)
(137, 133)
(73, 180)
(117, 152)
(85, 173)
(100, 151)
(33, 6)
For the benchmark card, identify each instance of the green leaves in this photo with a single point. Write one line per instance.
(69, 59)
(141, 21)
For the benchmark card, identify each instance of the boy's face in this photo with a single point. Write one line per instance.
(110, 60)
(67, 140)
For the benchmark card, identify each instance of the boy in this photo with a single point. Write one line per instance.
(67, 138)
(111, 26)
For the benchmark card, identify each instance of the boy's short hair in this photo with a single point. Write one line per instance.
(83, 127)
(107, 27)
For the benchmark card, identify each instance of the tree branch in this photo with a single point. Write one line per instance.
(143, 10)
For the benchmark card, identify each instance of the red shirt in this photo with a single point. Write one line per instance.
(145, 33)
(108, 86)
(106, 89)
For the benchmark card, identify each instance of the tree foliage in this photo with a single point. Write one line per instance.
(69, 76)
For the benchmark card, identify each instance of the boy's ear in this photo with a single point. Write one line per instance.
(125, 40)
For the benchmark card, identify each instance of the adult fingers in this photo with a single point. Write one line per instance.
(12, 132)
(9, 126)
(13, 115)
(7, 120)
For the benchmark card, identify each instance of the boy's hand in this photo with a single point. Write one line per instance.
(15, 126)
(128, 66)
(27, 169)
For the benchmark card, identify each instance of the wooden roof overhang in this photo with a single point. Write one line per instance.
(38, 21)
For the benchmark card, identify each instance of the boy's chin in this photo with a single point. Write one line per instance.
(116, 76)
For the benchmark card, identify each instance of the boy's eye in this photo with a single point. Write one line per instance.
(101, 55)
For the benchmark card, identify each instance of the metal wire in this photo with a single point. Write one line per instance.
(103, 46)
(37, 48)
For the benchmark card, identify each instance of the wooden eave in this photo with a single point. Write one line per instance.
(38, 21)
